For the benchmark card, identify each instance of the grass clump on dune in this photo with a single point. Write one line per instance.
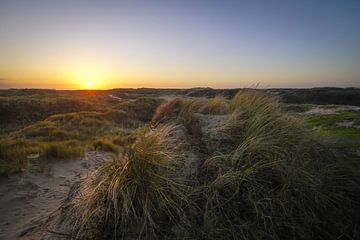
(274, 181)
(136, 196)
(179, 111)
(124, 140)
(168, 111)
(105, 145)
(216, 106)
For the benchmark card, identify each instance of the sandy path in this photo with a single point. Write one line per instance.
(27, 199)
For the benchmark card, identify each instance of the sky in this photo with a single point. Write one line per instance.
(103, 44)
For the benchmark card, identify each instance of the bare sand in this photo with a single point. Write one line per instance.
(28, 199)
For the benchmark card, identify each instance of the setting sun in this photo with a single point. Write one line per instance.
(89, 84)
(88, 77)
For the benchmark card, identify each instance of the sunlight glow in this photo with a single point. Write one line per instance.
(89, 84)
(88, 77)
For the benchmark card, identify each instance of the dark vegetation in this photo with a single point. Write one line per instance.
(340, 96)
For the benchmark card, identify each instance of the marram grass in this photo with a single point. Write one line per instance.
(275, 181)
(267, 178)
(135, 196)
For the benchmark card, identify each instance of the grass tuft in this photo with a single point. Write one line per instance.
(105, 145)
(180, 111)
(216, 106)
(134, 196)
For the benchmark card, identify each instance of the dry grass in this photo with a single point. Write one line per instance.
(216, 106)
(168, 112)
(105, 145)
(274, 181)
(62, 150)
(136, 196)
(13, 154)
(180, 111)
(124, 140)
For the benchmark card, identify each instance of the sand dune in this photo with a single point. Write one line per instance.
(28, 199)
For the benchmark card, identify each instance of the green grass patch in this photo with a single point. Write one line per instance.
(345, 133)
(330, 120)
(327, 125)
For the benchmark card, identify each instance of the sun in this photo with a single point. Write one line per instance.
(89, 77)
(89, 84)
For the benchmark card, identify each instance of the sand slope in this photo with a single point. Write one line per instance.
(28, 199)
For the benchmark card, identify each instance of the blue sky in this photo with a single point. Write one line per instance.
(62, 44)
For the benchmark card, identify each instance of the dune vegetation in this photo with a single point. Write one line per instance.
(52, 125)
(252, 172)
(135, 195)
